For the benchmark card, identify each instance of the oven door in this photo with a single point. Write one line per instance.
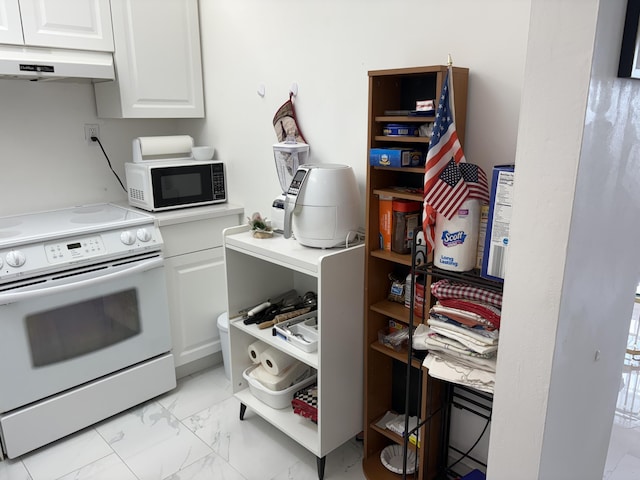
(80, 326)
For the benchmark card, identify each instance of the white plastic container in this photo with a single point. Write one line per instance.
(303, 335)
(223, 327)
(289, 156)
(277, 400)
(292, 375)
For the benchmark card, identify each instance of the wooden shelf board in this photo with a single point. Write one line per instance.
(392, 192)
(392, 436)
(389, 138)
(406, 118)
(400, 355)
(404, 259)
(394, 310)
(400, 169)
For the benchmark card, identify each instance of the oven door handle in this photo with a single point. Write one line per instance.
(139, 267)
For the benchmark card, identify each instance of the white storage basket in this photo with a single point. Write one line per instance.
(275, 399)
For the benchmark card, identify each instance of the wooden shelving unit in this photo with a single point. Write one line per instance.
(394, 90)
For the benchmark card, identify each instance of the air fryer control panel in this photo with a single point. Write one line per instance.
(297, 181)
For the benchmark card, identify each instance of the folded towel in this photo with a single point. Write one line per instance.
(441, 366)
(443, 289)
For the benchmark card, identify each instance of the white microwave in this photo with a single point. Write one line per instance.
(165, 185)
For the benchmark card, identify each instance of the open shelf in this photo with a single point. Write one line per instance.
(405, 118)
(400, 169)
(395, 310)
(395, 193)
(400, 355)
(398, 139)
(404, 259)
(267, 337)
(391, 435)
(302, 430)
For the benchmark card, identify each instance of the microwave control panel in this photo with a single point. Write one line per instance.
(219, 187)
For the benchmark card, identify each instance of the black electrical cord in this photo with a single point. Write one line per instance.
(472, 446)
(96, 139)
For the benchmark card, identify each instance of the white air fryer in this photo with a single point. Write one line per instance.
(322, 205)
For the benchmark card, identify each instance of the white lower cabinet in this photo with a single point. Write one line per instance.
(258, 269)
(197, 296)
(196, 284)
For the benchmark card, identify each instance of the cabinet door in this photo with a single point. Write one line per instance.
(197, 291)
(76, 24)
(157, 56)
(10, 25)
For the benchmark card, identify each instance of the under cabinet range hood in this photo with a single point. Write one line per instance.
(50, 64)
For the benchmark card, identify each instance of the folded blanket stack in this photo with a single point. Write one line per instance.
(461, 334)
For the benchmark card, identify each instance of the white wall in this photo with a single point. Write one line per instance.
(327, 48)
(45, 162)
(574, 261)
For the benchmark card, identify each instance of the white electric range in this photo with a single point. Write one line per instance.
(84, 325)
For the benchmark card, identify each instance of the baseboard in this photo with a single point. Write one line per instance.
(198, 365)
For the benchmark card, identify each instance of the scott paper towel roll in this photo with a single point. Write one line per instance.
(162, 147)
(274, 361)
(256, 349)
(456, 240)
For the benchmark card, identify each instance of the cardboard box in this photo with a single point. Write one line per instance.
(496, 243)
(385, 221)
(482, 233)
(394, 157)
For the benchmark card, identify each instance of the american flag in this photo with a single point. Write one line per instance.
(448, 179)
(444, 150)
(448, 191)
(476, 181)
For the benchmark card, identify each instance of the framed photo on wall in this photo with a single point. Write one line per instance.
(629, 66)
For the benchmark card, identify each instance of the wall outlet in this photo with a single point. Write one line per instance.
(91, 130)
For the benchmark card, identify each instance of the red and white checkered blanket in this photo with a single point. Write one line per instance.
(305, 403)
(446, 289)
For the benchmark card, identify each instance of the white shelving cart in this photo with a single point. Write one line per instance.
(258, 269)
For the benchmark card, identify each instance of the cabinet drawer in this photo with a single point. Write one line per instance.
(187, 237)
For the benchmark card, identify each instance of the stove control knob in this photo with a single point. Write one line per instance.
(143, 235)
(15, 258)
(127, 237)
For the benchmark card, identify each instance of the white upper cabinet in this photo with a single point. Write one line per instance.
(158, 64)
(10, 24)
(74, 24)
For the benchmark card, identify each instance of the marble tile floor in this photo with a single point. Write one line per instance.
(193, 433)
(190, 433)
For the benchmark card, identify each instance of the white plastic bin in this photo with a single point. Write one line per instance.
(223, 327)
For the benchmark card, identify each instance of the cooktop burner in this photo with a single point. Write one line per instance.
(43, 226)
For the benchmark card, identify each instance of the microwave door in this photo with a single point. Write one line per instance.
(183, 185)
